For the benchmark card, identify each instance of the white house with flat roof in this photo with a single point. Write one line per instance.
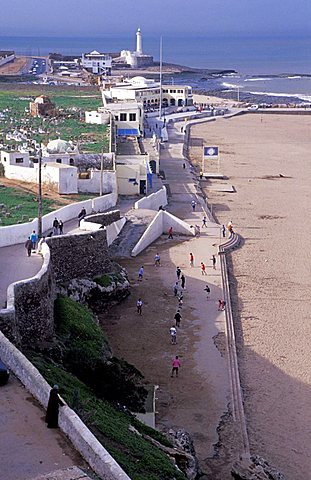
(97, 63)
(148, 92)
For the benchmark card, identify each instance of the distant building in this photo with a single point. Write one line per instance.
(97, 63)
(147, 92)
(42, 107)
(6, 56)
(138, 58)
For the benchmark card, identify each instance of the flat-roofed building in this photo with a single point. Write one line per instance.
(148, 92)
(97, 63)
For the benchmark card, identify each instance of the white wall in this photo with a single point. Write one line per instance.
(7, 59)
(159, 225)
(13, 234)
(153, 201)
(114, 229)
(92, 185)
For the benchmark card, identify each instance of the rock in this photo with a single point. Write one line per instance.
(255, 469)
(183, 441)
(96, 297)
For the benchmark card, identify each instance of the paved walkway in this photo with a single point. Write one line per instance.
(209, 322)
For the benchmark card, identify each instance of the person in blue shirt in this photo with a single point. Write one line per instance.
(34, 239)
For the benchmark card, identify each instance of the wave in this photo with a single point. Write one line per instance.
(306, 98)
(293, 77)
(230, 85)
(259, 79)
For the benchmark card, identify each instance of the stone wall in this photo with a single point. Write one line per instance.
(104, 219)
(79, 256)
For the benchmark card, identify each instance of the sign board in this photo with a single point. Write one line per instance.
(210, 152)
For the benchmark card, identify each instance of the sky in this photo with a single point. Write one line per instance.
(188, 17)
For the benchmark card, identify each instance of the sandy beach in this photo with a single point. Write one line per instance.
(267, 160)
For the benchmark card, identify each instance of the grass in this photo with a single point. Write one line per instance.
(72, 103)
(140, 459)
(20, 204)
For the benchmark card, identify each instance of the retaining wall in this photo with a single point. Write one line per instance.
(159, 225)
(13, 234)
(153, 201)
(84, 441)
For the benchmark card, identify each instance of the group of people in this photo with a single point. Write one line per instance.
(58, 226)
(33, 244)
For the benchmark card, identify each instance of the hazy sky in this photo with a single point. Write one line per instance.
(96, 17)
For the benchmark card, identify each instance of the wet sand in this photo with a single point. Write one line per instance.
(271, 274)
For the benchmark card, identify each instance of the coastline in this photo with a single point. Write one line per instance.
(269, 275)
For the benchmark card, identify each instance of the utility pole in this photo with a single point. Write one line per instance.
(160, 106)
(101, 173)
(40, 193)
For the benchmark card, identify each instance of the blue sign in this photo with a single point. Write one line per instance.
(210, 152)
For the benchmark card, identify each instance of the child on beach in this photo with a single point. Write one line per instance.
(191, 259)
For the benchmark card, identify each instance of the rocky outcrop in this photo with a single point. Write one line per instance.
(188, 463)
(255, 469)
(98, 294)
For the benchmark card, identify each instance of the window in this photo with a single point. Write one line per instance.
(132, 117)
(58, 160)
(71, 161)
(19, 160)
(123, 117)
(116, 117)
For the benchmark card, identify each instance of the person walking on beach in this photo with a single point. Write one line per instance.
(139, 305)
(197, 231)
(208, 291)
(141, 273)
(173, 333)
(55, 226)
(177, 318)
(34, 239)
(180, 300)
(175, 289)
(193, 204)
(170, 233)
(203, 269)
(213, 262)
(223, 231)
(157, 260)
(28, 246)
(223, 305)
(175, 366)
(191, 259)
(204, 222)
(178, 273)
(183, 281)
(184, 166)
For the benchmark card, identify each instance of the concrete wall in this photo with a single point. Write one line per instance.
(4, 60)
(111, 222)
(153, 201)
(84, 441)
(92, 184)
(13, 234)
(114, 229)
(159, 225)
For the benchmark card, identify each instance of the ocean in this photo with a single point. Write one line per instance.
(265, 66)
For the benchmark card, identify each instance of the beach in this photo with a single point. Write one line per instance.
(265, 157)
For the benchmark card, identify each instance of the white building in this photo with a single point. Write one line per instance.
(97, 117)
(97, 63)
(147, 92)
(9, 157)
(137, 58)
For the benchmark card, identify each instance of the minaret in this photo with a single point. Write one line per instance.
(139, 49)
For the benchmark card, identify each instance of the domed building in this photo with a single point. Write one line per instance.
(60, 151)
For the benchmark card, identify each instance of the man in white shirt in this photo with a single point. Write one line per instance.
(173, 333)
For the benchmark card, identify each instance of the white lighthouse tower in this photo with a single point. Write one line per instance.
(139, 49)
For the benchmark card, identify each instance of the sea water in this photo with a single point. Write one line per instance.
(264, 65)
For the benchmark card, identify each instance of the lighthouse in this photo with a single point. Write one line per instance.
(139, 49)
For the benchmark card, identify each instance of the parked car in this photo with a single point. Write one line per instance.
(4, 374)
